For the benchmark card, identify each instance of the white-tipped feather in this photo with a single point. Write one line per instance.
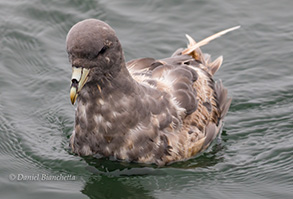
(190, 40)
(215, 65)
(206, 40)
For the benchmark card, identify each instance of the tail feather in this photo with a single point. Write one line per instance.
(207, 40)
(223, 100)
(215, 65)
(211, 132)
(196, 53)
(193, 49)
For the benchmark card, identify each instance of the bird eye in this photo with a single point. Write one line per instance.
(103, 50)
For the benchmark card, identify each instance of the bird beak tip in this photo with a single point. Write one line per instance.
(73, 94)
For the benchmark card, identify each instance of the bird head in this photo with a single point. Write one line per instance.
(94, 52)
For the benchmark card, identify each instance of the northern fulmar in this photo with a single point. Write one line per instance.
(145, 110)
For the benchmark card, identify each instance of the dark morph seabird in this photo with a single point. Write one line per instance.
(145, 110)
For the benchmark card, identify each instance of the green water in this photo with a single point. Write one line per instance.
(254, 158)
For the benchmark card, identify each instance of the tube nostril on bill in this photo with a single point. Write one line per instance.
(74, 83)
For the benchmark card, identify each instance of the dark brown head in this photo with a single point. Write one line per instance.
(94, 52)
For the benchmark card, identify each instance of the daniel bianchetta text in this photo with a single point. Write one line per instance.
(41, 177)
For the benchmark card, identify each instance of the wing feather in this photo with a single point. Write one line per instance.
(194, 107)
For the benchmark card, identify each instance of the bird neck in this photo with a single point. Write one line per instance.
(116, 82)
(105, 107)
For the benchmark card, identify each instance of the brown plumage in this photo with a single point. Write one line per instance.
(145, 110)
